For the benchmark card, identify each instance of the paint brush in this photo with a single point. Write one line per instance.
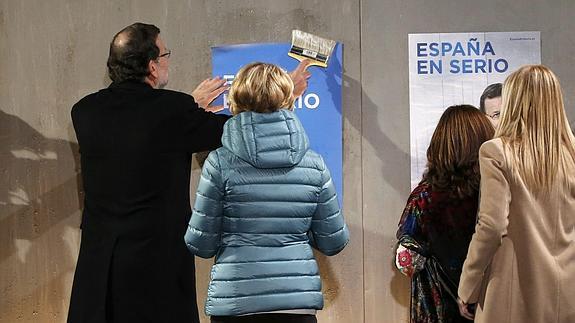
(308, 46)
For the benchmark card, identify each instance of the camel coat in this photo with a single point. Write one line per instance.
(521, 261)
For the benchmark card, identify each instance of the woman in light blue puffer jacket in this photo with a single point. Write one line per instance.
(263, 200)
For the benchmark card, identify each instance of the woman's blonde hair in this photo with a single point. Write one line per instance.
(534, 127)
(261, 87)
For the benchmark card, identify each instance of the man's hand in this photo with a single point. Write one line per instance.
(299, 77)
(205, 93)
(464, 310)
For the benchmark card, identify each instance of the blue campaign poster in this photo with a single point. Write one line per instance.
(319, 108)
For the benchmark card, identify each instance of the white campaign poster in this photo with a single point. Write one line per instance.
(454, 68)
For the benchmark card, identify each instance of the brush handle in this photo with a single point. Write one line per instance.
(311, 61)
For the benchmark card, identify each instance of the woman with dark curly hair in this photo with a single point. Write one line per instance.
(438, 221)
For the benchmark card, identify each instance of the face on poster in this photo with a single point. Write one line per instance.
(319, 108)
(454, 68)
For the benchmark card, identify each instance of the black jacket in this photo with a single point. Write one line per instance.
(136, 144)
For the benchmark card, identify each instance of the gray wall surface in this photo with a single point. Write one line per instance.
(52, 53)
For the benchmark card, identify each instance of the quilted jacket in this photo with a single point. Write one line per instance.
(263, 200)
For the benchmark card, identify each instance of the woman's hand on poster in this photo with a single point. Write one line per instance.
(299, 77)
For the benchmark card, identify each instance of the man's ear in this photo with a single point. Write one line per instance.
(153, 68)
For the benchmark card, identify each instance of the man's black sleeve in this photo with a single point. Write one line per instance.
(202, 130)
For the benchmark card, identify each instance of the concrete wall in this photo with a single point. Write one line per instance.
(53, 52)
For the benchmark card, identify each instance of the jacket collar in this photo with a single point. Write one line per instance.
(131, 84)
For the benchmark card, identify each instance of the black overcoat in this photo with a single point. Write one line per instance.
(136, 144)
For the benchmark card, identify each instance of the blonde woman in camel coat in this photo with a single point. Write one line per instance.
(520, 265)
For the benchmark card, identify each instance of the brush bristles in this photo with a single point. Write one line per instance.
(311, 46)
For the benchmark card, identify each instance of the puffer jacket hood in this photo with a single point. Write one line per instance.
(266, 140)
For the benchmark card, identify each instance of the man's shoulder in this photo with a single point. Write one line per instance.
(87, 100)
(156, 97)
(175, 95)
(90, 96)
(161, 93)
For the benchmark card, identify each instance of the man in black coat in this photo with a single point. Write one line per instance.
(136, 141)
